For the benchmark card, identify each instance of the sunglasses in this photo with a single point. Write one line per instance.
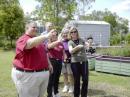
(34, 27)
(74, 32)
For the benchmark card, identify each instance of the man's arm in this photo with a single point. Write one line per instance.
(37, 40)
(53, 44)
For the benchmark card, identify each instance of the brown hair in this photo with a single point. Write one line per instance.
(50, 39)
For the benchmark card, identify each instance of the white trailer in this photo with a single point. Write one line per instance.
(99, 30)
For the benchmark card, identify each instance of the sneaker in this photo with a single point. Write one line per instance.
(71, 89)
(57, 95)
(65, 89)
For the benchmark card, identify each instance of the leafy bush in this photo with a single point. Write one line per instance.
(1, 41)
(115, 39)
(127, 38)
(7, 45)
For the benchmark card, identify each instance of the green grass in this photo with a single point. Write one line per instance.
(111, 84)
(7, 88)
(100, 84)
(112, 79)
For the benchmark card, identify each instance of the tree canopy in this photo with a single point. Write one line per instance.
(118, 24)
(59, 11)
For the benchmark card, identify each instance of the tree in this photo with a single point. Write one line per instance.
(57, 11)
(11, 19)
(83, 6)
(123, 25)
(117, 23)
(112, 20)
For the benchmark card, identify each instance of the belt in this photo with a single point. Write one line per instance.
(55, 59)
(23, 70)
(81, 62)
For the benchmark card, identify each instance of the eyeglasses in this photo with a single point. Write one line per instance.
(74, 32)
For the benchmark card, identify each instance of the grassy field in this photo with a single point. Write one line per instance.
(100, 84)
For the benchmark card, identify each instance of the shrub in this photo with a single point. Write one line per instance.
(7, 45)
(127, 38)
(115, 51)
(115, 39)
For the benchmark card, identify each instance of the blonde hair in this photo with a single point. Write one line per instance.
(64, 31)
(72, 29)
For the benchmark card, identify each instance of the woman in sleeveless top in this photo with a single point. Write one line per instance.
(79, 63)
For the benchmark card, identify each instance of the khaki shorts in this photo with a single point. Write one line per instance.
(66, 68)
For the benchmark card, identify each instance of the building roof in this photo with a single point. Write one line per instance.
(88, 22)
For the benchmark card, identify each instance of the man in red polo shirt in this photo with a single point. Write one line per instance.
(31, 66)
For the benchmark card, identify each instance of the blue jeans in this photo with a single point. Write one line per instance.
(80, 69)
